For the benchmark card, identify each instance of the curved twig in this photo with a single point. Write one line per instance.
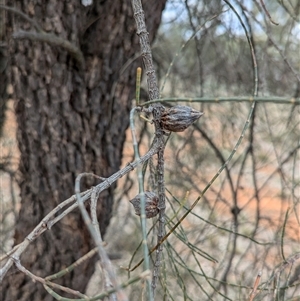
(54, 41)
(50, 219)
(24, 16)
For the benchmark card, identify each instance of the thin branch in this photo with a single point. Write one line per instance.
(269, 99)
(141, 192)
(267, 31)
(105, 263)
(282, 235)
(49, 220)
(196, 30)
(267, 13)
(143, 276)
(53, 40)
(252, 50)
(139, 17)
(45, 282)
(71, 267)
(24, 16)
(157, 111)
(94, 230)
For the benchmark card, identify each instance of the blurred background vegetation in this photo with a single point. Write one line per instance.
(248, 220)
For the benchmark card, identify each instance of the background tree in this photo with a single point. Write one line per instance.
(3, 70)
(72, 104)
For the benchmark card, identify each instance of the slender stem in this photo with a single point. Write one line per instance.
(196, 30)
(269, 99)
(54, 41)
(139, 17)
(95, 233)
(51, 219)
(161, 224)
(156, 110)
(252, 50)
(282, 234)
(143, 210)
(24, 16)
(138, 85)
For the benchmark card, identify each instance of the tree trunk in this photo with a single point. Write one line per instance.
(70, 120)
(3, 70)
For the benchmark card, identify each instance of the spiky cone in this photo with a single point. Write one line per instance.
(178, 118)
(151, 203)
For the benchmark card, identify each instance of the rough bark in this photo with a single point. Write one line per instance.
(69, 121)
(3, 85)
(3, 69)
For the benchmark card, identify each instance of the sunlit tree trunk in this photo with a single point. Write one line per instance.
(71, 119)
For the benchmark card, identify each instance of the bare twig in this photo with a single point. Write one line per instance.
(254, 290)
(49, 220)
(196, 30)
(157, 110)
(48, 283)
(53, 40)
(252, 50)
(94, 230)
(146, 50)
(71, 267)
(276, 272)
(277, 100)
(267, 13)
(141, 189)
(142, 276)
(103, 261)
(282, 54)
(24, 16)
(42, 36)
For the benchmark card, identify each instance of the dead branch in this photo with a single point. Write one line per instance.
(50, 219)
(54, 41)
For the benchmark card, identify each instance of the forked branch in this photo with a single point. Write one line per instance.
(66, 207)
